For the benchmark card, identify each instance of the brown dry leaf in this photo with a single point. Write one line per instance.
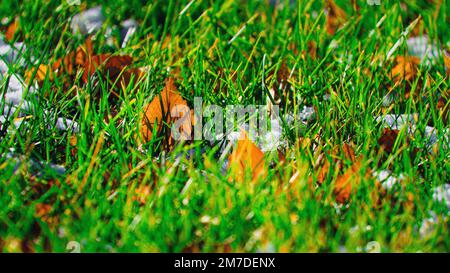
(73, 145)
(336, 17)
(419, 29)
(282, 77)
(349, 152)
(193, 248)
(345, 183)
(405, 70)
(64, 66)
(11, 30)
(323, 172)
(115, 68)
(157, 112)
(312, 49)
(246, 157)
(41, 74)
(142, 193)
(443, 106)
(75, 60)
(387, 140)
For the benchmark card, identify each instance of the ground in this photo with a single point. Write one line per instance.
(361, 164)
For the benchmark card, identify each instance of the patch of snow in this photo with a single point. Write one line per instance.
(88, 21)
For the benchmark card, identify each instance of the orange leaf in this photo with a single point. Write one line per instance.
(116, 68)
(246, 157)
(345, 183)
(324, 163)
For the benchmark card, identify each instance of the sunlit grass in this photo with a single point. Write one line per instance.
(188, 203)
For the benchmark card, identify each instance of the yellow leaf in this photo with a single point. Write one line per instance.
(246, 157)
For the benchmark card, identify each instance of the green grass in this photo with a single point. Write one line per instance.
(192, 206)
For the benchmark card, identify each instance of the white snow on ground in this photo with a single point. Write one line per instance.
(92, 20)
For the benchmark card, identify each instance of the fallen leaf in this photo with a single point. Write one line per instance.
(405, 71)
(142, 193)
(40, 75)
(11, 30)
(447, 64)
(246, 157)
(323, 172)
(419, 29)
(158, 112)
(279, 92)
(312, 49)
(443, 106)
(336, 17)
(387, 140)
(405, 68)
(324, 163)
(117, 70)
(42, 210)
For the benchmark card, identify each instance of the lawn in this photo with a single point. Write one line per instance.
(357, 159)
